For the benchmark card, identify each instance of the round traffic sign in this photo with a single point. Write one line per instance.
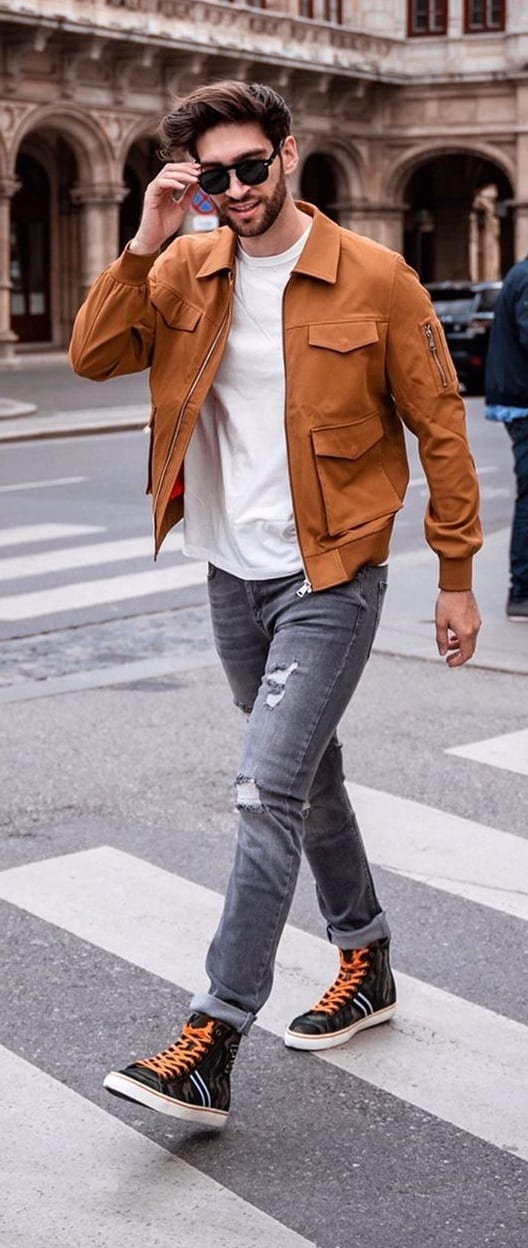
(201, 203)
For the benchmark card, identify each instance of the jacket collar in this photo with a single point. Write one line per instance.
(319, 257)
(222, 254)
(320, 254)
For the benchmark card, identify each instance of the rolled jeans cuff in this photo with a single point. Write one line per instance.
(240, 1020)
(377, 929)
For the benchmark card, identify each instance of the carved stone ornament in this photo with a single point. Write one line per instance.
(116, 126)
(9, 187)
(163, 8)
(99, 194)
(11, 115)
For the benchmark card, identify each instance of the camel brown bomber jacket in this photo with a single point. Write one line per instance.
(363, 355)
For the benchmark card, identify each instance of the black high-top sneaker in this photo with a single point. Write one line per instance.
(363, 995)
(190, 1079)
(517, 608)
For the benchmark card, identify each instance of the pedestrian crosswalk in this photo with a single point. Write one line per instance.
(451, 1058)
(448, 1071)
(72, 597)
(460, 1065)
(68, 564)
(68, 558)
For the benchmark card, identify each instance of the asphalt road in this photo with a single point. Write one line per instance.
(116, 730)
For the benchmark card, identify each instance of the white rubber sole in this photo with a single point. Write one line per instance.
(130, 1090)
(295, 1040)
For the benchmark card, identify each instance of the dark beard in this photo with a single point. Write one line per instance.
(271, 212)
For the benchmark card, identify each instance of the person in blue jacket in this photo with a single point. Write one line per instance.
(506, 388)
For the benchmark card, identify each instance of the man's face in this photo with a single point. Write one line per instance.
(248, 210)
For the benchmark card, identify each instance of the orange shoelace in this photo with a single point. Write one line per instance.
(350, 977)
(181, 1056)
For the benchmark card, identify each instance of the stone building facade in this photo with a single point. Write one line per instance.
(411, 118)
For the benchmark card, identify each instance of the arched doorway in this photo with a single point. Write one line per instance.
(458, 220)
(319, 184)
(63, 220)
(141, 165)
(45, 240)
(30, 252)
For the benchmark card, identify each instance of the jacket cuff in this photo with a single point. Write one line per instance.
(455, 574)
(132, 269)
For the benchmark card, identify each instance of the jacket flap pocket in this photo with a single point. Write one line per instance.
(343, 336)
(348, 441)
(174, 310)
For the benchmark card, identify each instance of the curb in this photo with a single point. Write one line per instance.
(46, 433)
(33, 359)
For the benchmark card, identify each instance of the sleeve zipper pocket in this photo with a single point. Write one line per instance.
(433, 349)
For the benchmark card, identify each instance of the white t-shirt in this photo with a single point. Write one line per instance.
(238, 507)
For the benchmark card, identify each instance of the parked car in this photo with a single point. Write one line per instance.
(465, 310)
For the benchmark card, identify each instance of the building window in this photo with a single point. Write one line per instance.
(483, 15)
(333, 12)
(427, 17)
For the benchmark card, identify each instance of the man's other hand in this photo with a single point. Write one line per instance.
(457, 621)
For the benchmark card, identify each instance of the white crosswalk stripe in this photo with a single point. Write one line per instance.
(509, 752)
(47, 484)
(27, 534)
(76, 557)
(449, 1057)
(79, 594)
(445, 851)
(99, 1177)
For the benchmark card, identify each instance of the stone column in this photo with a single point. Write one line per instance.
(8, 188)
(99, 232)
(379, 221)
(520, 217)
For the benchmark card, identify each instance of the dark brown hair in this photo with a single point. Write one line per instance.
(218, 103)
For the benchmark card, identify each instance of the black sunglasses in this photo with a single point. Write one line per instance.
(251, 171)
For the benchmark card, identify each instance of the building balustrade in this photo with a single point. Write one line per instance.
(282, 35)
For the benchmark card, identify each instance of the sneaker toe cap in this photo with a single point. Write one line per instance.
(306, 1026)
(143, 1075)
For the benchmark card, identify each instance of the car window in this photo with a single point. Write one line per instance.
(487, 299)
(458, 308)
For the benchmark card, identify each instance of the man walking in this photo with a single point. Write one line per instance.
(507, 401)
(285, 353)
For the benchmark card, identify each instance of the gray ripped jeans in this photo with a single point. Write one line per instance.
(293, 664)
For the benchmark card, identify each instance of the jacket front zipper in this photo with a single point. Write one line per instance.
(306, 587)
(188, 398)
(432, 347)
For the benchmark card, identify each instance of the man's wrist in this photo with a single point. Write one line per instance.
(139, 248)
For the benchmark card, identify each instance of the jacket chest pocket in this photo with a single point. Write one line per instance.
(180, 344)
(343, 336)
(340, 367)
(175, 311)
(356, 489)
